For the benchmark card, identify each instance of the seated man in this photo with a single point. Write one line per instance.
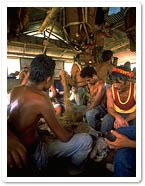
(29, 103)
(74, 96)
(121, 101)
(96, 107)
(56, 96)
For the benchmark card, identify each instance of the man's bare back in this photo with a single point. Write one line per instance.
(29, 103)
(23, 117)
(103, 70)
(27, 106)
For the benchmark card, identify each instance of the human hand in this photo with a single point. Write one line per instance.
(120, 142)
(16, 153)
(120, 122)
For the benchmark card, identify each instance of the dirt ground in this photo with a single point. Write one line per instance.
(59, 169)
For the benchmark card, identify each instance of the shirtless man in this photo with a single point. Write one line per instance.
(96, 108)
(29, 103)
(75, 80)
(24, 72)
(104, 69)
(100, 36)
(121, 100)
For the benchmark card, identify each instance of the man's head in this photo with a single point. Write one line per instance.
(107, 55)
(121, 73)
(89, 73)
(26, 68)
(74, 89)
(41, 67)
(128, 65)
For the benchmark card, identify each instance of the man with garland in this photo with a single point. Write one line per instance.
(121, 100)
(121, 117)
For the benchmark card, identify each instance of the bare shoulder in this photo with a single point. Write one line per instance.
(14, 90)
(109, 90)
(27, 95)
(99, 85)
(100, 82)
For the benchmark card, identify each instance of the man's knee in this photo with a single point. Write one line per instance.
(84, 139)
(89, 113)
(92, 113)
(129, 131)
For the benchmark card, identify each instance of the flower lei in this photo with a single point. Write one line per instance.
(130, 74)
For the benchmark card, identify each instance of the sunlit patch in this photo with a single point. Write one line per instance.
(114, 10)
(13, 105)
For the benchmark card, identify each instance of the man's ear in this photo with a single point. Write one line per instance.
(95, 76)
(49, 79)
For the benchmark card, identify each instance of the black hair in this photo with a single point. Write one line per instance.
(116, 75)
(88, 72)
(41, 67)
(107, 54)
(115, 58)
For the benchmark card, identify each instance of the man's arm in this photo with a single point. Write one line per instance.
(131, 116)
(97, 96)
(21, 74)
(16, 152)
(119, 120)
(25, 80)
(49, 115)
(108, 34)
(76, 82)
(110, 103)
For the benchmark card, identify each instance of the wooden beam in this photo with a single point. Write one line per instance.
(51, 15)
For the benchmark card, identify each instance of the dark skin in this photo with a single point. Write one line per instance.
(24, 81)
(123, 90)
(23, 73)
(121, 141)
(104, 69)
(96, 87)
(28, 103)
(58, 109)
(96, 91)
(16, 152)
(75, 79)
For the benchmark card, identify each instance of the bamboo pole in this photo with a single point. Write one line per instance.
(49, 18)
(69, 112)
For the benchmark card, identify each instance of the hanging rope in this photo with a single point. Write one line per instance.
(84, 22)
(45, 47)
(82, 25)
